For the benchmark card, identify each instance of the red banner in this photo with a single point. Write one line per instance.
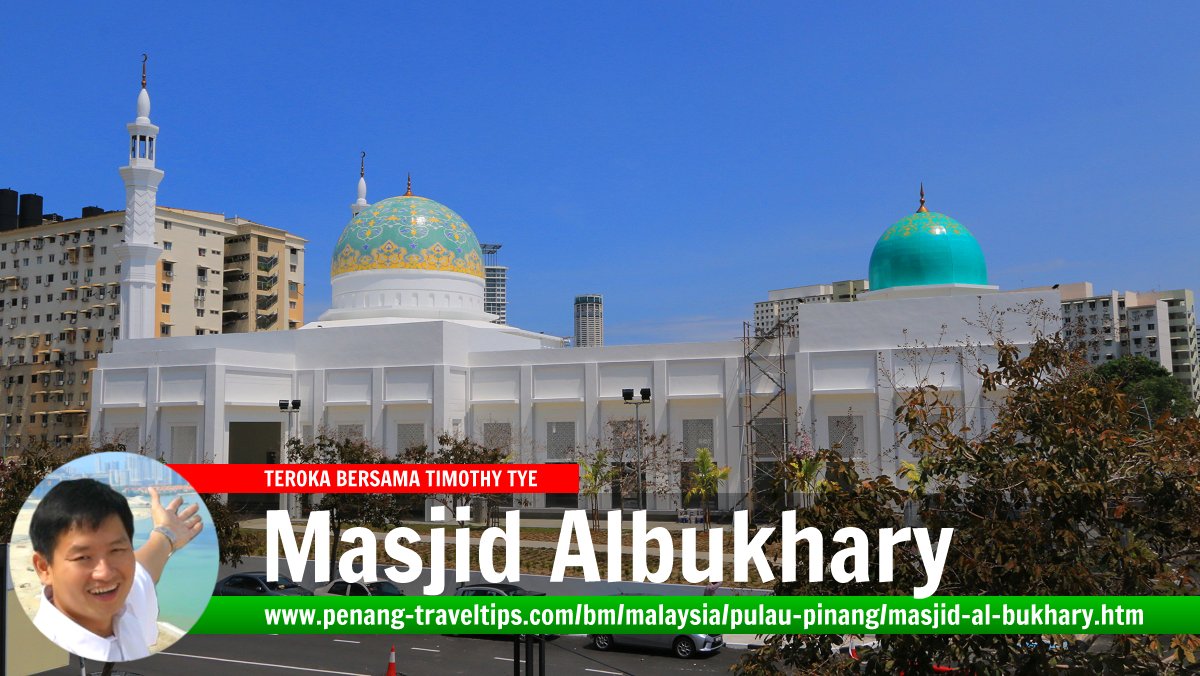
(209, 478)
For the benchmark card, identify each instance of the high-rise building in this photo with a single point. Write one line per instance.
(69, 288)
(1158, 325)
(589, 320)
(782, 304)
(263, 278)
(1185, 353)
(495, 292)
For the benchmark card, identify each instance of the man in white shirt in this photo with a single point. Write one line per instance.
(98, 597)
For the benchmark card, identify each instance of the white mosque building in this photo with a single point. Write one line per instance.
(407, 352)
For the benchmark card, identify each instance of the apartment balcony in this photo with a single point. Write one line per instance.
(265, 302)
(231, 316)
(266, 264)
(267, 283)
(265, 320)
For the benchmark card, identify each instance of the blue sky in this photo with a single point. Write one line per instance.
(680, 158)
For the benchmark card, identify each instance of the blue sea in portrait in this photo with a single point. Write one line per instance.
(188, 579)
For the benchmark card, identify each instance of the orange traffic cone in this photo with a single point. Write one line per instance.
(392, 663)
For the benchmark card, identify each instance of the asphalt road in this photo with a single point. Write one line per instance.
(308, 655)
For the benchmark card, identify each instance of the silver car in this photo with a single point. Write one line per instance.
(683, 645)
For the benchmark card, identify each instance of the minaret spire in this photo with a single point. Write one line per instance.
(409, 193)
(361, 202)
(922, 209)
(139, 253)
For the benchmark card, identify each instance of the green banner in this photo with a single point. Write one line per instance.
(702, 614)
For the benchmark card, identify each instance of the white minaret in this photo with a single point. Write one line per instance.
(361, 202)
(139, 253)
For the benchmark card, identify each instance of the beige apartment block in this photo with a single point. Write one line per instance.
(60, 297)
(264, 279)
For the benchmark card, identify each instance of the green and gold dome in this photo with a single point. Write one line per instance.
(927, 248)
(407, 233)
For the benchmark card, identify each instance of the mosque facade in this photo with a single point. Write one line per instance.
(408, 352)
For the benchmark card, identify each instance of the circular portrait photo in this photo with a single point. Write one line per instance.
(114, 557)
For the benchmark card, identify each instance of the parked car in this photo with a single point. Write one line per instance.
(256, 584)
(343, 588)
(683, 645)
(502, 589)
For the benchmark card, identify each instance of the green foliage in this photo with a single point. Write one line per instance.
(372, 510)
(596, 474)
(1130, 370)
(706, 480)
(452, 450)
(1066, 494)
(22, 472)
(234, 543)
(1148, 387)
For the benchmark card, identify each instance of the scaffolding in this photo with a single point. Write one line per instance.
(765, 412)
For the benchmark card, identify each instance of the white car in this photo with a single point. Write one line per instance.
(343, 588)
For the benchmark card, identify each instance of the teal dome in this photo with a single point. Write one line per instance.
(407, 233)
(926, 248)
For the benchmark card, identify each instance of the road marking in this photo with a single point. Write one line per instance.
(428, 650)
(265, 664)
(506, 659)
(342, 640)
(601, 671)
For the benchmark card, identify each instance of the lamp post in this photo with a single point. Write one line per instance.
(291, 408)
(627, 396)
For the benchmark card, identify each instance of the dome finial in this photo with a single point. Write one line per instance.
(409, 193)
(361, 202)
(144, 57)
(922, 209)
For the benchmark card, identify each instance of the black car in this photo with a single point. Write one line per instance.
(256, 584)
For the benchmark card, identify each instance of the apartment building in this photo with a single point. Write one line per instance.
(60, 295)
(1158, 325)
(783, 303)
(263, 279)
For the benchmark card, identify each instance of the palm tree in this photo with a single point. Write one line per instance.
(706, 479)
(596, 474)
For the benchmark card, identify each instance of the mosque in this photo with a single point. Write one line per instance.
(407, 352)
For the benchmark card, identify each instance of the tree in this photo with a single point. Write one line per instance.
(706, 480)
(1066, 494)
(233, 542)
(454, 450)
(596, 474)
(22, 471)
(1150, 388)
(372, 510)
(647, 462)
